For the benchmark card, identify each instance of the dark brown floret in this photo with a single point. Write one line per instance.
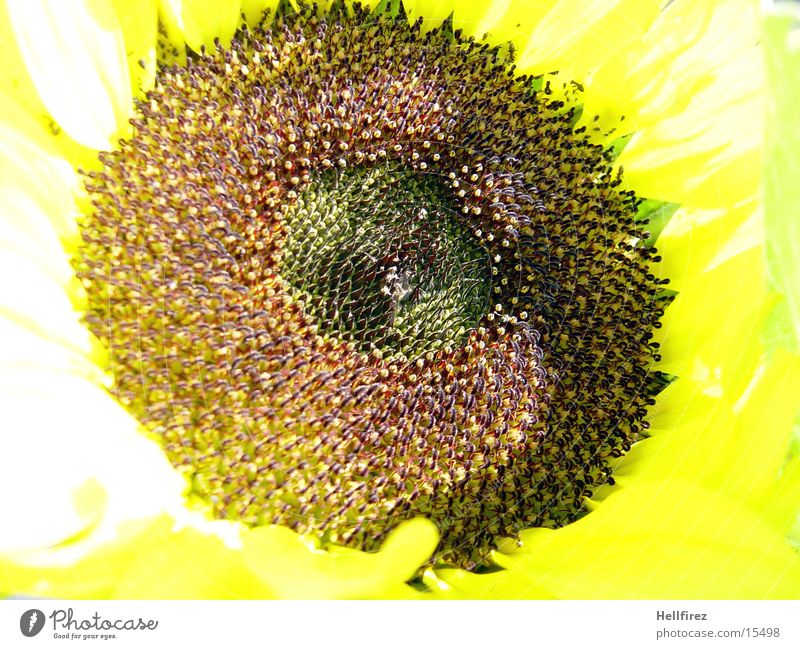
(350, 273)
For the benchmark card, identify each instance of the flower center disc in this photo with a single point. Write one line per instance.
(350, 273)
(379, 258)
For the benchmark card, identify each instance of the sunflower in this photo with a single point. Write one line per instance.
(479, 272)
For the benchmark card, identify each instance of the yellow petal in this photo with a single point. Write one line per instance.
(696, 88)
(92, 576)
(693, 238)
(701, 157)
(478, 18)
(639, 82)
(199, 22)
(781, 508)
(253, 10)
(155, 558)
(502, 21)
(575, 36)
(171, 45)
(186, 563)
(75, 54)
(782, 162)
(502, 584)
(763, 431)
(714, 259)
(732, 297)
(667, 539)
(295, 567)
(139, 21)
(740, 451)
(433, 12)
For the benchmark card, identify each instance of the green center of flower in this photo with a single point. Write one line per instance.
(350, 273)
(379, 257)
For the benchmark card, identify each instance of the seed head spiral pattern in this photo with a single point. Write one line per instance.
(350, 272)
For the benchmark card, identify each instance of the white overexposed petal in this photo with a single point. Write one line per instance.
(30, 164)
(73, 459)
(37, 216)
(75, 54)
(30, 296)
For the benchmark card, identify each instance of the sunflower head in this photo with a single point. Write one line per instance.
(348, 289)
(351, 266)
